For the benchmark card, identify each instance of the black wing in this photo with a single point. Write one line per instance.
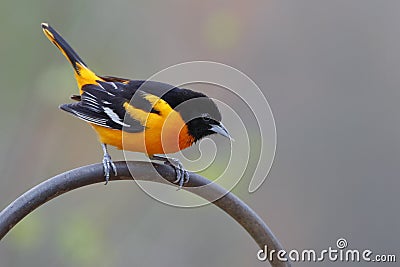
(115, 79)
(102, 105)
(171, 94)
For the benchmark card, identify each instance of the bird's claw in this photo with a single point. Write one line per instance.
(182, 175)
(108, 165)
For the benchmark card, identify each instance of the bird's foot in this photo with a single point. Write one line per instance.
(182, 175)
(108, 165)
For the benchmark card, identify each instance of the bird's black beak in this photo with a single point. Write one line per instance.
(220, 129)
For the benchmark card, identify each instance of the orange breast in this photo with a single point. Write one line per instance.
(164, 133)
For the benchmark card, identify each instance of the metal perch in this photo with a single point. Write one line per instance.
(92, 174)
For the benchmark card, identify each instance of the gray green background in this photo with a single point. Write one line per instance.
(331, 73)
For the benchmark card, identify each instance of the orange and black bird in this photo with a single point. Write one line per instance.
(137, 115)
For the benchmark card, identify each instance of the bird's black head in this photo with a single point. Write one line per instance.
(199, 112)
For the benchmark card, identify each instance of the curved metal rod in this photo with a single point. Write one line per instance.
(92, 174)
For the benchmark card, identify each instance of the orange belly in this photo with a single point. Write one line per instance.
(163, 133)
(162, 139)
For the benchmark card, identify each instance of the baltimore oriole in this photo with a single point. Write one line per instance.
(137, 115)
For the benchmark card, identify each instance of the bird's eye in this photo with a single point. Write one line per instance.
(206, 116)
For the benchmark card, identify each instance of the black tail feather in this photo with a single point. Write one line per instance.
(67, 50)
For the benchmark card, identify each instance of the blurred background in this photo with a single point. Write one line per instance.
(329, 69)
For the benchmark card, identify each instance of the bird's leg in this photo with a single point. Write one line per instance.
(182, 175)
(107, 163)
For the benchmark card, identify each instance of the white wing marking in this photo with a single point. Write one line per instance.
(114, 117)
